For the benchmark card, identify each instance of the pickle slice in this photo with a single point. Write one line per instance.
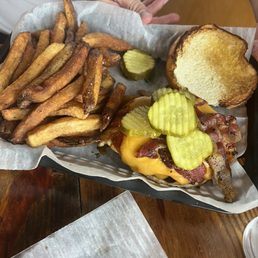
(136, 123)
(173, 114)
(190, 151)
(157, 94)
(137, 65)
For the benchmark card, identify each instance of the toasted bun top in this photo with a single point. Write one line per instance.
(210, 62)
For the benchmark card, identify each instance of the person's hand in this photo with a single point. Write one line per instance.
(147, 10)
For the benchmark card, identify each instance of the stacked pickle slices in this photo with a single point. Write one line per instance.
(172, 115)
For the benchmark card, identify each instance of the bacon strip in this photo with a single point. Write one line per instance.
(225, 133)
(157, 148)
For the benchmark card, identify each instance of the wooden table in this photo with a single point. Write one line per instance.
(34, 204)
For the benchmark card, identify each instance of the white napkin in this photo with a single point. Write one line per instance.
(114, 230)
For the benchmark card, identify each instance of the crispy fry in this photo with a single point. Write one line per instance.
(99, 39)
(70, 15)
(58, 33)
(25, 62)
(66, 126)
(101, 101)
(57, 81)
(73, 109)
(105, 87)
(45, 109)
(91, 86)
(112, 105)
(110, 58)
(43, 43)
(107, 82)
(58, 61)
(13, 58)
(82, 31)
(14, 114)
(10, 94)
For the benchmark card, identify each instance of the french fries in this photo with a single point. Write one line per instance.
(112, 105)
(58, 33)
(44, 109)
(91, 86)
(25, 62)
(57, 88)
(57, 81)
(82, 31)
(58, 61)
(70, 15)
(110, 58)
(43, 42)
(67, 126)
(13, 59)
(100, 39)
(14, 114)
(73, 109)
(9, 95)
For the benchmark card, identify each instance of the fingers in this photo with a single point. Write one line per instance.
(134, 5)
(166, 19)
(147, 2)
(155, 6)
(146, 17)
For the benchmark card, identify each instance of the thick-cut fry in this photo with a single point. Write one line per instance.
(110, 58)
(100, 39)
(43, 43)
(112, 105)
(73, 109)
(91, 86)
(82, 31)
(107, 82)
(14, 114)
(70, 15)
(10, 94)
(58, 61)
(67, 126)
(101, 101)
(58, 33)
(45, 109)
(25, 62)
(13, 58)
(61, 78)
(105, 88)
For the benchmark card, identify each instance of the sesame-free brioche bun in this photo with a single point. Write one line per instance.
(210, 62)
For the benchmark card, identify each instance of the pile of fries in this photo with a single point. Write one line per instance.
(55, 85)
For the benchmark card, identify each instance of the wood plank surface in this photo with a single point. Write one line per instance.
(237, 13)
(34, 204)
